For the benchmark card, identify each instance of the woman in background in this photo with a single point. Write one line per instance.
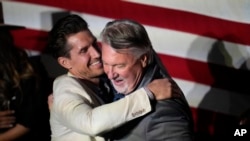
(18, 87)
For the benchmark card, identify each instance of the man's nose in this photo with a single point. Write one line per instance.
(94, 52)
(111, 73)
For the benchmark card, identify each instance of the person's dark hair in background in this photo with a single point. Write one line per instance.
(18, 81)
(24, 87)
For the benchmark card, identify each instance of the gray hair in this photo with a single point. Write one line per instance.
(128, 36)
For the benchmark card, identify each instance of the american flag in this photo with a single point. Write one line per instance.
(204, 44)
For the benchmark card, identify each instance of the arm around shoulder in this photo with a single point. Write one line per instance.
(75, 109)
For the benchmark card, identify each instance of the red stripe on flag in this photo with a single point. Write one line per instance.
(215, 75)
(161, 17)
(30, 39)
(187, 69)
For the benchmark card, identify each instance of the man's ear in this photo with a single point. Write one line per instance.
(144, 60)
(64, 62)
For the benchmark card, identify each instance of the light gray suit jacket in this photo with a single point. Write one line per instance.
(76, 113)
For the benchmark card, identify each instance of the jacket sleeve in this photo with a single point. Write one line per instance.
(74, 108)
(171, 121)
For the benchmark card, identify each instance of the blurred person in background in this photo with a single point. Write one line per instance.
(19, 98)
(18, 85)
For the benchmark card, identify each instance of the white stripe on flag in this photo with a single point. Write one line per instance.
(232, 10)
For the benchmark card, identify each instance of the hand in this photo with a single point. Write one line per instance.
(7, 119)
(50, 101)
(164, 89)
